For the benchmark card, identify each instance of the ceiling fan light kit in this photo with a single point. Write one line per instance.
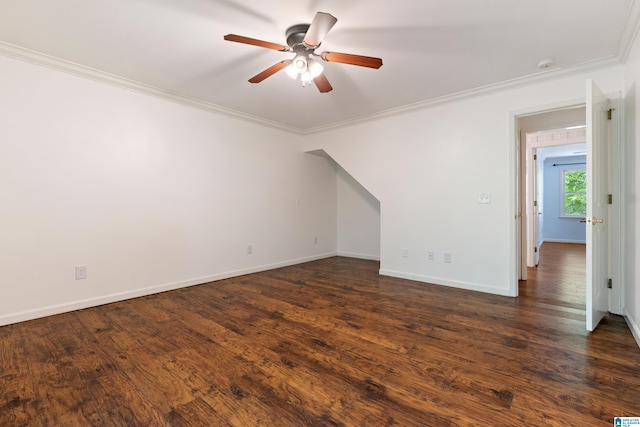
(303, 40)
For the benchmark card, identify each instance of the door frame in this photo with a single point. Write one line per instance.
(560, 137)
(517, 185)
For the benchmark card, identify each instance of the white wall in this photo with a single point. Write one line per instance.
(631, 185)
(556, 227)
(358, 219)
(149, 194)
(428, 168)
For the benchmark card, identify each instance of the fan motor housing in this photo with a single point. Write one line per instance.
(295, 34)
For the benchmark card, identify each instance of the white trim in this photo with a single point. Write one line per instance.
(577, 242)
(359, 256)
(106, 299)
(629, 31)
(585, 67)
(517, 258)
(616, 209)
(635, 330)
(26, 55)
(450, 283)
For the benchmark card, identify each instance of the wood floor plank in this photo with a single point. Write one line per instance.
(58, 393)
(327, 343)
(108, 384)
(269, 375)
(17, 406)
(212, 382)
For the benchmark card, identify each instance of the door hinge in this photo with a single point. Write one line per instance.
(535, 203)
(535, 249)
(610, 284)
(609, 111)
(610, 199)
(535, 157)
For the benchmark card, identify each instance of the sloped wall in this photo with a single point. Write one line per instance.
(358, 219)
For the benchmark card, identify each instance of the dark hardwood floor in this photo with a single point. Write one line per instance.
(327, 343)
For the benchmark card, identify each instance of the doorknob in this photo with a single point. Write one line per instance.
(539, 213)
(592, 221)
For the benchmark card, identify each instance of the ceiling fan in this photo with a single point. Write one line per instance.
(303, 40)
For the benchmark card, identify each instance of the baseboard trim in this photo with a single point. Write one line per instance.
(359, 256)
(579, 242)
(443, 282)
(24, 316)
(635, 330)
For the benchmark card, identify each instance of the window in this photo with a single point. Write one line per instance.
(573, 193)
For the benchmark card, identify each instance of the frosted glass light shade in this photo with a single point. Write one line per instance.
(315, 68)
(291, 71)
(300, 63)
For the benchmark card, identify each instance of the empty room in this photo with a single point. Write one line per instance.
(310, 213)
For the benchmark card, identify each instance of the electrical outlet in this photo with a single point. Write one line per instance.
(81, 272)
(315, 240)
(249, 249)
(431, 256)
(447, 258)
(405, 252)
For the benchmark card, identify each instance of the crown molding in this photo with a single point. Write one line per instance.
(629, 31)
(52, 62)
(537, 78)
(73, 68)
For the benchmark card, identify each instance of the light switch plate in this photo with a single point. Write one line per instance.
(81, 272)
(484, 199)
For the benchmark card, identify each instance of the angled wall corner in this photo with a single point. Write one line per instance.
(358, 215)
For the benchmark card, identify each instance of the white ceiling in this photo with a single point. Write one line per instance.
(431, 48)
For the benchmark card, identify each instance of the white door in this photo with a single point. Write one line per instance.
(536, 208)
(597, 206)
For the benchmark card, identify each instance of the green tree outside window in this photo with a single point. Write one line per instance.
(575, 193)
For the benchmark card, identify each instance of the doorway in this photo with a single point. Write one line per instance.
(535, 131)
(556, 189)
(565, 115)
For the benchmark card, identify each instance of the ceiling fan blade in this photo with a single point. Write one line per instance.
(319, 28)
(322, 83)
(347, 58)
(269, 71)
(256, 42)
